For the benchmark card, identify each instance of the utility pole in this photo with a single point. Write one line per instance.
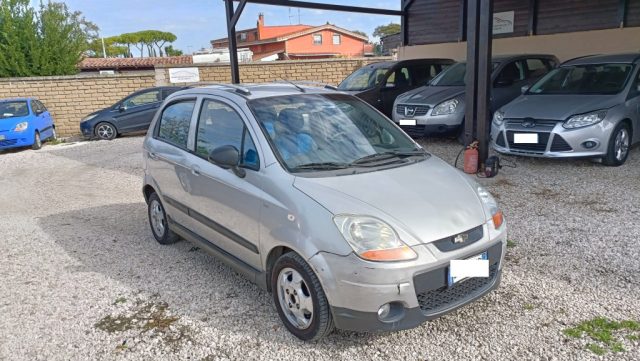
(104, 49)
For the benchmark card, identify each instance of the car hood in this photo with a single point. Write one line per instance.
(429, 200)
(557, 107)
(9, 124)
(430, 95)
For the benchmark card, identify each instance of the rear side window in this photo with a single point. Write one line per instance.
(536, 68)
(511, 73)
(174, 123)
(220, 125)
(399, 78)
(149, 97)
(423, 73)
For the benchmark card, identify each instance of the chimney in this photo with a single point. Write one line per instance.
(260, 25)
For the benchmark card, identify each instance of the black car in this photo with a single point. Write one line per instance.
(131, 114)
(380, 83)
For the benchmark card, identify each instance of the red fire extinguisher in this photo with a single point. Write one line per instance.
(471, 158)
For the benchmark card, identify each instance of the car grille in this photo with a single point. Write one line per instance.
(534, 124)
(8, 142)
(540, 147)
(434, 301)
(414, 131)
(560, 145)
(418, 110)
(448, 244)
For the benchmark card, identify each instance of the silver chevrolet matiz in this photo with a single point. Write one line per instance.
(321, 200)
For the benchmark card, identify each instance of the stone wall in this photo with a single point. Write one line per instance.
(70, 98)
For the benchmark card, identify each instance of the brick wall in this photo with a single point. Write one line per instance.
(329, 71)
(70, 98)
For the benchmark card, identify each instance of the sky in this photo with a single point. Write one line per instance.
(196, 22)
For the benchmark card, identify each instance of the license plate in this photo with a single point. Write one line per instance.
(525, 138)
(462, 269)
(407, 122)
(1, 137)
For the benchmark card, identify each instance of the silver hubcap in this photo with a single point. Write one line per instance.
(621, 145)
(157, 218)
(105, 131)
(295, 299)
(38, 142)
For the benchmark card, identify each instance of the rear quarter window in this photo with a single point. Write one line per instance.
(174, 123)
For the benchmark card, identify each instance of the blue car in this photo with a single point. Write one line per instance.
(24, 122)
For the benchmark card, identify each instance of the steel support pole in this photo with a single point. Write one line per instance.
(233, 46)
(471, 76)
(483, 104)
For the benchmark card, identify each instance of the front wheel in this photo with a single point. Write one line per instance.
(618, 149)
(159, 223)
(299, 298)
(37, 142)
(106, 131)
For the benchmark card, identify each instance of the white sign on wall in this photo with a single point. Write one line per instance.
(503, 22)
(184, 75)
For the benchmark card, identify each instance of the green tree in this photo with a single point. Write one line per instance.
(170, 51)
(384, 30)
(49, 41)
(111, 44)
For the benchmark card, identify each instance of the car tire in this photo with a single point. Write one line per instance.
(296, 288)
(106, 131)
(37, 142)
(54, 135)
(619, 144)
(159, 222)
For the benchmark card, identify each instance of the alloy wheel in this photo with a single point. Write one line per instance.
(105, 131)
(157, 218)
(621, 145)
(295, 299)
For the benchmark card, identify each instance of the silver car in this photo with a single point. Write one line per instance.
(439, 107)
(588, 107)
(321, 200)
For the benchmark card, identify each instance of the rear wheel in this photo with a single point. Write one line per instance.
(619, 143)
(159, 223)
(106, 131)
(37, 142)
(54, 135)
(299, 298)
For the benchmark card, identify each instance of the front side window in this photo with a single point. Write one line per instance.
(336, 39)
(149, 97)
(317, 39)
(512, 73)
(219, 125)
(584, 79)
(311, 132)
(536, 68)
(422, 73)
(399, 78)
(363, 78)
(13, 109)
(174, 123)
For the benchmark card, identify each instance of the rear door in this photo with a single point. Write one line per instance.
(47, 120)
(226, 207)
(137, 111)
(167, 156)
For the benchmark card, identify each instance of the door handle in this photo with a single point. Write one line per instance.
(195, 171)
(153, 155)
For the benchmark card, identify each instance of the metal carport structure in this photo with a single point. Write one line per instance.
(478, 26)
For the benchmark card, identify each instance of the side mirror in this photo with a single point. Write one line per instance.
(524, 89)
(227, 157)
(122, 108)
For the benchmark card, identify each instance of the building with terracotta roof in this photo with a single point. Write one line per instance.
(299, 42)
(130, 64)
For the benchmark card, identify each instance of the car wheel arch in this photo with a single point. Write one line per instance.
(271, 259)
(148, 190)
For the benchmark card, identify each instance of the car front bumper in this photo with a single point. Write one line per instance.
(15, 140)
(554, 141)
(427, 123)
(87, 129)
(417, 290)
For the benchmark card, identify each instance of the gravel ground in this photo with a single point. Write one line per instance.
(82, 277)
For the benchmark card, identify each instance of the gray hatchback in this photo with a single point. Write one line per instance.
(318, 198)
(588, 107)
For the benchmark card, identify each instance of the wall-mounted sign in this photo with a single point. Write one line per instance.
(503, 22)
(184, 75)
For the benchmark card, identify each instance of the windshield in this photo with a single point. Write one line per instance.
(584, 79)
(454, 75)
(13, 109)
(363, 78)
(312, 132)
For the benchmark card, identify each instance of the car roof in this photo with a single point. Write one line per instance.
(509, 57)
(388, 64)
(260, 90)
(627, 58)
(17, 99)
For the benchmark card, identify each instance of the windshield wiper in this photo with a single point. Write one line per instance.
(321, 166)
(387, 155)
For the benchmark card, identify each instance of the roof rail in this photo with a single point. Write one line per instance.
(236, 88)
(316, 84)
(578, 57)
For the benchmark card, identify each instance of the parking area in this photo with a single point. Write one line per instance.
(84, 279)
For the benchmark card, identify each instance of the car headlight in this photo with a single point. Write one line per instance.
(446, 107)
(491, 206)
(585, 120)
(87, 118)
(21, 127)
(373, 239)
(498, 118)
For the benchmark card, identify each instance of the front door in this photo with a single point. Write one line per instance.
(508, 84)
(225, 206)
(137, 111)
(398, 81)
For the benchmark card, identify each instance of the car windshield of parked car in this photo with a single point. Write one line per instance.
(364, 78)
(584, 79)
(13, 109)
(312, 132)
(454, 75)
